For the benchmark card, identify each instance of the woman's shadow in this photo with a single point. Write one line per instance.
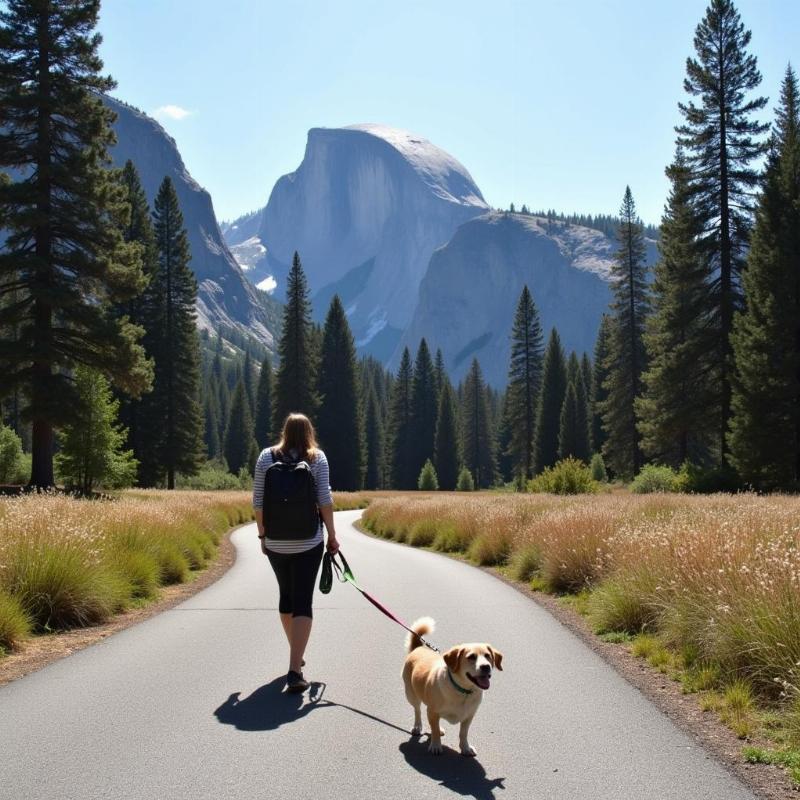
(268, 707)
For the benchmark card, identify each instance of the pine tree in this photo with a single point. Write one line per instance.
(524, 383)
(765, 428)
(446, 451)
(239, 432)
(374, 437)
(672, 412)
(626, 360)
(428, 481)
(263, 416)
(211, 424)
(401, 429)
(722, 139)
(64, 259)
(548, 418)
(423, 407)
(599, 377)
(505, 433)
(138, 230)
(477, 443)
(573, 436)
(440, 373)
(339, 415)
(174, 423)
(92, 444)
(295, 381)
(248, 378)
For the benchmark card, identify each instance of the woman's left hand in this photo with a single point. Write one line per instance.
(333, 544)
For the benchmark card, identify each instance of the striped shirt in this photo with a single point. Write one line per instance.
(319, 469)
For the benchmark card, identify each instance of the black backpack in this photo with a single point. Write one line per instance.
(290, 499)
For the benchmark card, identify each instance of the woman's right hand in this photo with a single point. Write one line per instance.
(333, 544)
(263, 545)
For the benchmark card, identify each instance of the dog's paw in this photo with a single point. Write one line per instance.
(416, 731)
(468, 751)
(435, 748)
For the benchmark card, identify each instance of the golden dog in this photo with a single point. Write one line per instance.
(451, 685)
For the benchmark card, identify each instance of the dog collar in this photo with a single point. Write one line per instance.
(453, 681)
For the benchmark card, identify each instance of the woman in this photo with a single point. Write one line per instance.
(296, 561)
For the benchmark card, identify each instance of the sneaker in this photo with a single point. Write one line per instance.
(295, 682)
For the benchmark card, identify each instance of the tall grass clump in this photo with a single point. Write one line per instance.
(67, 562)
(15, 624)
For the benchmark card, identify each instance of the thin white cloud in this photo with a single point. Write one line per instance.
(172, 112)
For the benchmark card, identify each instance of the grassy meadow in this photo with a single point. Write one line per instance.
(706, 588)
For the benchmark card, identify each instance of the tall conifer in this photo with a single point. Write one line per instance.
(722, 138)
(626, 359)
(446, 451)
(524, 383)
(174, 423)
(477, 442)
(599, 376)
(672, 412)
(295, 381)
(239, 431)
(401, 429)
(765, 428)
(263, 415)
(339, 416)
(64, 259)
(424, 406)
(548, 419)
(374, 440)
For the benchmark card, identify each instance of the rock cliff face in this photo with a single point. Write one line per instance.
(365, 209)
(468, 297)
(225, 296)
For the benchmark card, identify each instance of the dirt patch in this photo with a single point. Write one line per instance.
(39, 651)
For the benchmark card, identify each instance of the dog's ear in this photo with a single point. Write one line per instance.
(497, 657)
(453, 658)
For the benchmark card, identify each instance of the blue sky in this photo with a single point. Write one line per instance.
(546, 103)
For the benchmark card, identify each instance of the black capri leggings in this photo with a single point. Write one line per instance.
(297, 575)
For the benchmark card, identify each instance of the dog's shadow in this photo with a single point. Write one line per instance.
(269, 707)
(464, 776)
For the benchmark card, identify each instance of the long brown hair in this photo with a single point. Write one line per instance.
(298, 434)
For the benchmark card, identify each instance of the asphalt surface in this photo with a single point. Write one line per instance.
(188, 704)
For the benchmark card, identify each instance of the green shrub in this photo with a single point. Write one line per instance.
(491, 548)
(624, 603)
(428, 482)
(598, 469)
(465, 482)
(15, 625)
(525, 562)
(139, 569)
(423, 533)
(704, 480)
(59, 588)
(569, 476)
(10, 454)
(655, 478)
(213, 475)
(451, 539)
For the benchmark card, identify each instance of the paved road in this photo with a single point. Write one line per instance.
(188, 704)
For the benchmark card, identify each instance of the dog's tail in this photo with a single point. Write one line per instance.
(422, 627)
